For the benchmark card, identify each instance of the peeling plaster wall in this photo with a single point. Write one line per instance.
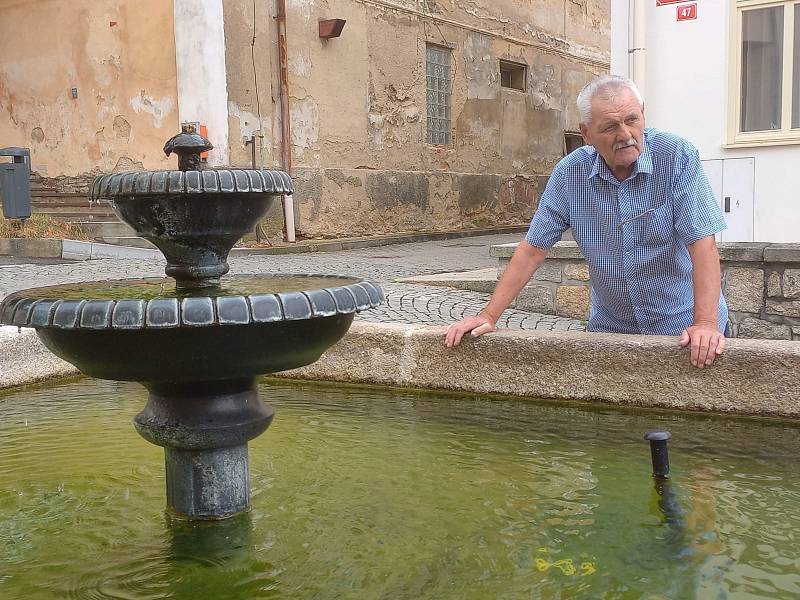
(358, 106)
(119, 54)
(251, 65)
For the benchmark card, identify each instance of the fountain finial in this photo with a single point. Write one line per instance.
(188, 145)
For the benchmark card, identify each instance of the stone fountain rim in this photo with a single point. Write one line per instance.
(225, 180)
(20, 310)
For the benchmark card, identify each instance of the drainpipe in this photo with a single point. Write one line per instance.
(286, 140)
(638, 30)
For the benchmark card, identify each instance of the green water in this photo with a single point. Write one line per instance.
(165, 287)
(363, 494)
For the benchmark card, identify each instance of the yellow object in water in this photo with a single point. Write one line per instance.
(566, 566)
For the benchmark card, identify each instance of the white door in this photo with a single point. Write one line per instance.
(733, 182)
(738, 191)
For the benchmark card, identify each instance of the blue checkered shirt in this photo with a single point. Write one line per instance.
(634, 233)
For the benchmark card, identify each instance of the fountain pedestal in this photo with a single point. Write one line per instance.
(204, 428)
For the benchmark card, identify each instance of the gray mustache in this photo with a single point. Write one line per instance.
(630, 142)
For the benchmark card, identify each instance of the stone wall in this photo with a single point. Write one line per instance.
(343, 202)
(761, 282)
(358, 107)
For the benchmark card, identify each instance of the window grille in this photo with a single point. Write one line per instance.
(513, 75)
(438, 92)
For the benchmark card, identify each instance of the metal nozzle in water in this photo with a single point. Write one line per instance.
(659, 452)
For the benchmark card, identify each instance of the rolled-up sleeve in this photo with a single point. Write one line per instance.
(552, 216)
(696, 211)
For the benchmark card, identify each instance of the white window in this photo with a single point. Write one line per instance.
(765, 73)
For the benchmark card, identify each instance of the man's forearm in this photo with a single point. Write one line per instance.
(523, 264)
(706, 280)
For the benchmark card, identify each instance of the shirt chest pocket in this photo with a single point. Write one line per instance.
(657, 226)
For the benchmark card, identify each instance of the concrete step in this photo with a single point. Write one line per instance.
(479, 280)
(106, 229)
(44, 195)
(72, 214)
(130, 241)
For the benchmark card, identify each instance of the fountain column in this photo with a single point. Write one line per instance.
(204, 428)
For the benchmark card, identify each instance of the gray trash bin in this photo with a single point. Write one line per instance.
(15, 183)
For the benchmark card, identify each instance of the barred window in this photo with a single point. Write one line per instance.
(438, 92)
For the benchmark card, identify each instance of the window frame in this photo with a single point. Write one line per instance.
(449, 106)
(574, 135)
(513, 67)
(774, 137)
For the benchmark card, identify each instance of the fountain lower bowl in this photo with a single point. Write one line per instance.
(148, 330)
(199, 354)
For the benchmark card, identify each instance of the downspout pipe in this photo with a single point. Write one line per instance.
(286, 133)
(637, 51)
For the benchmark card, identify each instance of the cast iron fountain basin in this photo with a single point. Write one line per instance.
(190, 355)
(196, 343)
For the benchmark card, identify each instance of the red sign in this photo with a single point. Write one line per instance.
(666, 2)
(687, 12)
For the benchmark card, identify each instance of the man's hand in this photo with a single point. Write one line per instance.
(706, 342)
(474, 325)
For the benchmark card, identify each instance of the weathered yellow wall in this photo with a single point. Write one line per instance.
(358, 106)
(119, 54)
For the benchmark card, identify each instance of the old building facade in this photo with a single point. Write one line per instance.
(420, 115)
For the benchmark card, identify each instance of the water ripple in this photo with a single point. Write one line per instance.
(365, 494)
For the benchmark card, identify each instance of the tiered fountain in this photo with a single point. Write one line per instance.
(195, 341)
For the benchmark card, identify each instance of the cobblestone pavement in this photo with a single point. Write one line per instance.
(406, 302)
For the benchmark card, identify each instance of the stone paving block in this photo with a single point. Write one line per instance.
(548, 272)
(535, 298)
(573, 301)
(791, 283)
(76, 250)
(788, 308)
(744, 289)
(754, 328)
(774, 284)
(577, 272)
(787, 253)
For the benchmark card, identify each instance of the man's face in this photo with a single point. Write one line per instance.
(615, 130)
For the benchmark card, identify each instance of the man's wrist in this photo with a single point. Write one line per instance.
(488, 315)
(707, 322)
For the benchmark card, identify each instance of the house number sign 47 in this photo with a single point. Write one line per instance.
(687, 12)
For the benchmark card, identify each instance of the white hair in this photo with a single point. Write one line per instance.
(604, 84)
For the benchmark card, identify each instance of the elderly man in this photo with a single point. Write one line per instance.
(642, 211)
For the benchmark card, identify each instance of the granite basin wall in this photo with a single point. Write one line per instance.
(761, 282)
(753, 377)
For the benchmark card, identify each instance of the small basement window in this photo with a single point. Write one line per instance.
(572, 141)
(513, 75)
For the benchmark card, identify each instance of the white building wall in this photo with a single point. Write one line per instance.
(687, 93)
(202, 82)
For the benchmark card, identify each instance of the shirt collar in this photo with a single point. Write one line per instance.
(643, 164)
